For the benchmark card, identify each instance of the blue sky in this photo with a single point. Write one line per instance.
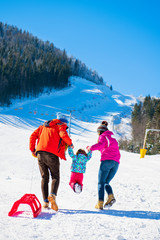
(120, 39)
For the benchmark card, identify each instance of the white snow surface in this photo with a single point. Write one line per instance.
(136, 213)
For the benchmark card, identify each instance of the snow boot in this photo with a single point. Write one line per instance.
(99, 205)
(52, 200)
(45, 204)
(110, 201)
(77, 188)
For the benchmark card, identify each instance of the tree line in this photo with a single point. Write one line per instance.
(28, 66)
(145, 115)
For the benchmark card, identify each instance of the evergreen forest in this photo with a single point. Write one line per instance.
(29, 66)
(145, 115)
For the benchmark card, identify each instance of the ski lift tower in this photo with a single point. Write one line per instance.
(69, 110)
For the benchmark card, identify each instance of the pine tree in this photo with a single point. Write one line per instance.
(147, 116)
(29, 65)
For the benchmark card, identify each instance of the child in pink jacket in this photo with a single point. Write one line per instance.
(110, 156)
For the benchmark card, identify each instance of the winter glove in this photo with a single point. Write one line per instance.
(88, 148)
(34, 154)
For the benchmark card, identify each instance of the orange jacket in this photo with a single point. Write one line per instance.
(50, 137)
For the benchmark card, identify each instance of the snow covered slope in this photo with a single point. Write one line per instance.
(88, 102)
(136, 186)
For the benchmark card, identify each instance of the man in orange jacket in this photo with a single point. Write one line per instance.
(48, 143)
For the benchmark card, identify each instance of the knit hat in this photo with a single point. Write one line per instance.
(62, 117)
(102, 128)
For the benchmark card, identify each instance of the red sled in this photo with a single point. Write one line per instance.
(29, 199)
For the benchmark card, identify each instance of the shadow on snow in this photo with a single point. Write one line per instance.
(116, 213)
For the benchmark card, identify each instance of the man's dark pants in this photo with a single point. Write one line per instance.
(48, 165)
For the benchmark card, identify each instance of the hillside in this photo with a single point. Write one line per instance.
(86, 100)
(29, 65)
(135, 214)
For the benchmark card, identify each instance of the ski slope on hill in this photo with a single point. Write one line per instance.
(135, 215)
(86, 100)
(136, 186)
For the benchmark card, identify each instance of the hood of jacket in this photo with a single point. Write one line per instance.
(107, 133)
(52, 123)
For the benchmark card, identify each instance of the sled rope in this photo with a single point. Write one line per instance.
(32, 176)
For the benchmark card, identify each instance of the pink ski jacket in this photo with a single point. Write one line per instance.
(108, 147)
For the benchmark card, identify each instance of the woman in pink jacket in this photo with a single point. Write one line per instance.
(110, 156)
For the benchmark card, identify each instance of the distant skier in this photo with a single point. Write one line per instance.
(78, 168)
(110, 157)
(51, 138)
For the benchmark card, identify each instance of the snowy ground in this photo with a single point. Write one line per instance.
(136, 214)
